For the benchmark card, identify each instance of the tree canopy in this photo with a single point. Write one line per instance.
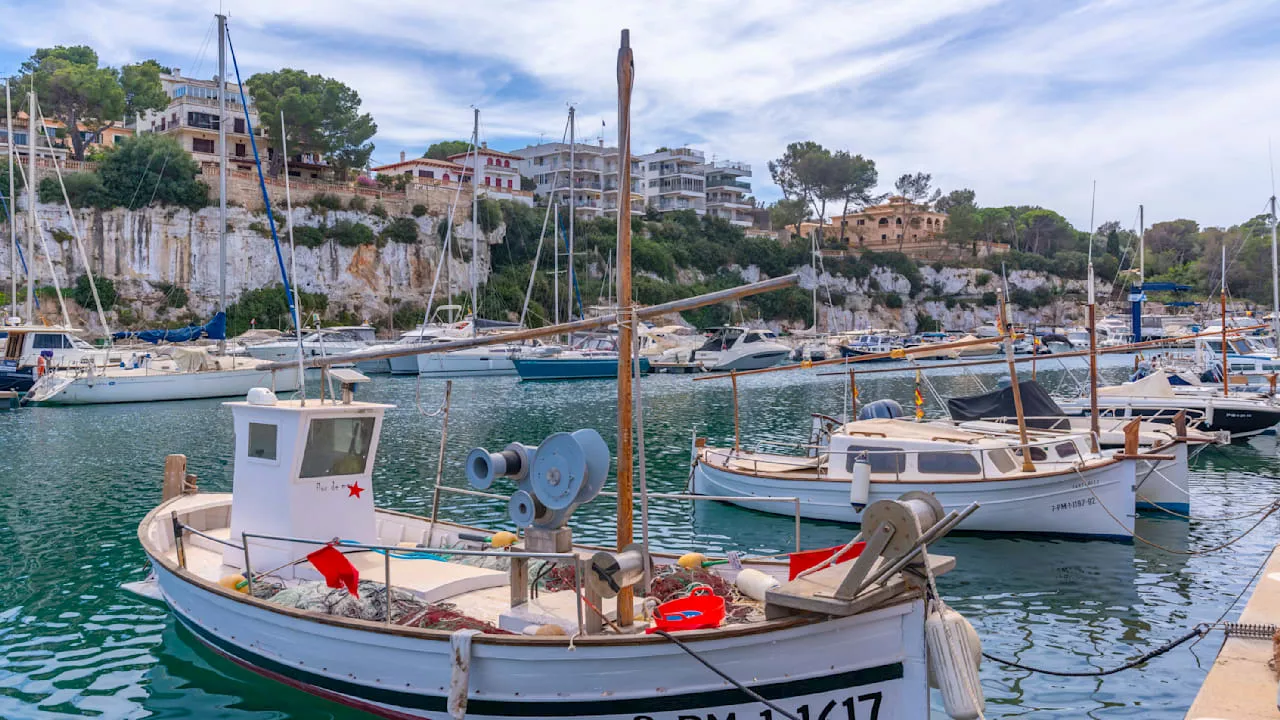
(73, 88)
(150, 167)
(443, 149)
(323, 116)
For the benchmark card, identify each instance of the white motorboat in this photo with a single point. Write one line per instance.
(1070, 491)
(446, 323)
(873, 344)
(1243, 414)
(733, 348)
(325, 341)
(484, 361)
(25, 345)
(187, 374)
(461, 628)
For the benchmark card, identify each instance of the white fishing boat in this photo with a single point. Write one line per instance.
(184, 374)
(733, 348)
(1072, 491)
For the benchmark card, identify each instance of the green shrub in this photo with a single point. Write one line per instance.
(893, 301)
(982, 279)
(379, 211)
(83, 293)
(490, 215)
(175, 296)
(350, 234)
(61, 236)
(357, 203)
(150, 168)
(419, 210)
(324, 201)
(307, 236)
(261, 228)
(270, 308)
(401, 230)
(989, 299)
(927, 323)
(84, 189)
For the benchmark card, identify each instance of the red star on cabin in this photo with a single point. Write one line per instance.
(354, 489)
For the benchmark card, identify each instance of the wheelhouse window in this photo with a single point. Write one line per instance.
(49, 341)
(262, 441)
(882, 459)
(1066, 450)
(337, 446)
(949, 463)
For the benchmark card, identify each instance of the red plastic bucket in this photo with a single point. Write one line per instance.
(699, 610)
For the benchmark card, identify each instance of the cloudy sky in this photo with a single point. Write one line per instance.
(1170, 103)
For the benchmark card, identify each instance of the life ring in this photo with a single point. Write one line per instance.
(40, 366)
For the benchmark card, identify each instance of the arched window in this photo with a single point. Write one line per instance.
(898, 221)
(506, 163)
(446, 177)
(884, 221)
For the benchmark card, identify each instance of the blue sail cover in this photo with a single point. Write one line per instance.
(216, 329)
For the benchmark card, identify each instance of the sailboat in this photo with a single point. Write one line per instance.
(180, 373)
(413, 617)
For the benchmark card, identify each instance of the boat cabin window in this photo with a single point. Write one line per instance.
(1003, 460)
(950, 463)
(262, 441)
(1066, 450)
(337, 446)
(753, 337)
(1038, 454)
(1215, 346)
(49, 341)
(1241, 346)
(721, 340)
(13, 346)
(882, 459)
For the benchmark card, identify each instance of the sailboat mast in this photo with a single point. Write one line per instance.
(293, 261)
(1136, 293)
(475, 221)
(555, 271)
(1226, 379)
(32, 226)
(626, 318)
(1094, 429)
(1275, 278)
(13, 204)
(222, 172)
(573, 208)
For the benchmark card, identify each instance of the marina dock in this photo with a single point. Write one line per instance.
(1242, 683)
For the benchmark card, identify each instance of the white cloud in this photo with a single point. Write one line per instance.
(1025, 103)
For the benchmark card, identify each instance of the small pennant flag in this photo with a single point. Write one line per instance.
(336, 569)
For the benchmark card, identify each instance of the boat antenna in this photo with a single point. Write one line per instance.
(626, 320)
(1006, 329)
(1093, 329)
(293, 255)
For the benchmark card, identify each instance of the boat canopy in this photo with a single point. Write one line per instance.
(1154, 385)
(216, 329)
(1038, 407)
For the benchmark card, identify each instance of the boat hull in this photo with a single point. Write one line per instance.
(571, 369)
(16, 378)
(172, 386)
(866, 665)
(453, 365)
(1163, 484)
(1065, 504)
(752, 361)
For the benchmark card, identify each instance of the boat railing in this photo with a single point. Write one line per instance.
(387, 552)
(793, 500)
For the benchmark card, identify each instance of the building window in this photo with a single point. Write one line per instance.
(240, 150)
(509, 183)
(201, 146)
(446, 177)
(884, 237)
(238, 125)
(884, 221)
(427, 174)
(898, 221)
(486, 180)
(202, 120)
(506, 163)
(862, 221)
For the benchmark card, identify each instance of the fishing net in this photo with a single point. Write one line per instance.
(671, 582)
(406, 609)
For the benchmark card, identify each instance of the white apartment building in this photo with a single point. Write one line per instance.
(548, 165)
(497, 174)
(675, 180)
(728, 195)
(611, 180)
(192, 118)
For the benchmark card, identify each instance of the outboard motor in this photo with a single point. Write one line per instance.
(880, 410)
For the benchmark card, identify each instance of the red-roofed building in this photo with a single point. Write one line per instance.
(497, 173)
(427, 170)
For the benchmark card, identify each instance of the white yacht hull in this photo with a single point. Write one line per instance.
(870, 665)
(465, 364)
(1064, 503)
(161, 386)
(404, 365)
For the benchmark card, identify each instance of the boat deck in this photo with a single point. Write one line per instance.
(1241, 685)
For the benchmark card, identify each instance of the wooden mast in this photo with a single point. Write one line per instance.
(1006, 329)
(626, 316)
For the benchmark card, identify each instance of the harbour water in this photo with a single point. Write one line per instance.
(74, 482)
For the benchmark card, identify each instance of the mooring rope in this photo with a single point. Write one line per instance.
(1191, 553)
(1198, 631)
(746, 690)
(1197, 518)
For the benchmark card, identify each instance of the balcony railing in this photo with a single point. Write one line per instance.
(727, 183)
(731, 165)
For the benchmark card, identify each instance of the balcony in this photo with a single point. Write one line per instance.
(727, 183)
(731, 167)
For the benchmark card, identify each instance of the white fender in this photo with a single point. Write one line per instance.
(754, 584)
(860, 485)
(954, 655)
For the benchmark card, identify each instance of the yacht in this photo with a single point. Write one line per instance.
(25, 345)
(325, 341)
(872, 344)
(734, 348)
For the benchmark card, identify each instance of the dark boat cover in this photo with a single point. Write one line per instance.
(1037, 406)
(216, 329)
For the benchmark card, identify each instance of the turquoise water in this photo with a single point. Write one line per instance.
(74, 482)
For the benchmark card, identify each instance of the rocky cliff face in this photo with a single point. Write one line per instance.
(143, 250)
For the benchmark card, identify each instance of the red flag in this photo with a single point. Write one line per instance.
(336, 569)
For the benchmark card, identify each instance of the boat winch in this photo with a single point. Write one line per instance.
(552, 480)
